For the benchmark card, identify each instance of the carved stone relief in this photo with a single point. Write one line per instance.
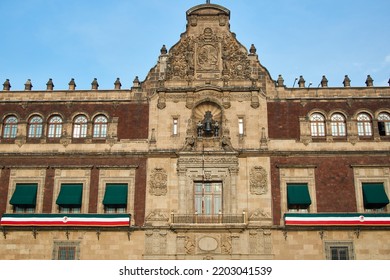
(156, 242)
(258, 180)
(158, 182)
(209, 53)
(259, 215)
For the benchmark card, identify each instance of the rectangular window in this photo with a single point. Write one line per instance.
(241, 126)
(298, 197)
(339, 250)
(70, 198)
(175, 128)
(208, 198)
(66, 250)
(375, 198)
(115, 198)
(24, 198)
(66, 253)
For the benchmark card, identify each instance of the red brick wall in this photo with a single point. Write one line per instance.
(48, 190)
(93, 190)
(283, 117)
(140, 179)
(335, 189)
(4, 183)
(132, 123)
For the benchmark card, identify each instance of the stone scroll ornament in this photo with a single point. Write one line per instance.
(258, 181)
(158, 182)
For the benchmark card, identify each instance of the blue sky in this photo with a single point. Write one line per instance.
(106, 39)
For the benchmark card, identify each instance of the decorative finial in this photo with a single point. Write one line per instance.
(369, 81)
(28, 85)
(207, 1)
(7, 85)
(118, 84)
(136, 82)
(252, 50)
(95, 84)
(347, 81)
(280, 81)
(324, 81)
(50, 84)
(301, 82)
(72, 84)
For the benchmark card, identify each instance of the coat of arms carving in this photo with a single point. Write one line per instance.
(158, 182)
(258, 180)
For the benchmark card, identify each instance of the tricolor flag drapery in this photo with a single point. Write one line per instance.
(61, 220)
(336, 219)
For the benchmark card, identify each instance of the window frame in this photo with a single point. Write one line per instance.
(338, 126)
(384, 120)
(364, 125)
(330, 245)
(100, 127)
(35, 127)
(317, 125)
(58, 245)
(80, 127)
(10, 129)
(55, 127)
(370, 174)
(214, 198)
(241, 126)
(175, 126)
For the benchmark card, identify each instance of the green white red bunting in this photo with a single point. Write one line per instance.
(84, 220)
(366, 219)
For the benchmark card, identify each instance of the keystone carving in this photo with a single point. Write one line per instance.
(158, 182)
(258, 180)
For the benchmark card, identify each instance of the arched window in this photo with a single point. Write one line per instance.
(10, 127)
(338, 125)
(364, 125)
(35, 127)
(317, 125)
(80, 126)
(55, 127)
(100, 127)
(384, 124)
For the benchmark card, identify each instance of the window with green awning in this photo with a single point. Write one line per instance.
(70, 195)
(115, 195)
(25, 195)
(374, 196)
(298, 196)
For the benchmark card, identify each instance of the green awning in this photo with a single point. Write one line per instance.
(70, 195)
(298, 194)
(25, 195)
(115, 195)
(374, 196)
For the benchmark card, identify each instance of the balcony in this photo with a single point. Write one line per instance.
(218, 221)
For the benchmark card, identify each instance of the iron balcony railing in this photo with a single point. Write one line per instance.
(208, 219)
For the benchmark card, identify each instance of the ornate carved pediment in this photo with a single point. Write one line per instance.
(210, 56)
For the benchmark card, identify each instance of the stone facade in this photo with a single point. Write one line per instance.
(207, 146)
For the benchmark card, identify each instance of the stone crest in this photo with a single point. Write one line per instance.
(158, 182)
(258, 180)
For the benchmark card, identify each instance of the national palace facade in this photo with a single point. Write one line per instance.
(208, 158)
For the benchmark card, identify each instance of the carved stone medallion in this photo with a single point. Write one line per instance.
(258, 180)
(158, 182)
